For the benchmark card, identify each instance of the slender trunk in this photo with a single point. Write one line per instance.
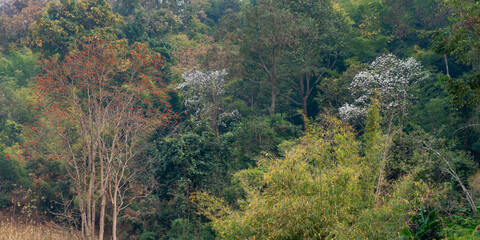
(91, 193)
(84, 225)
(402, 113)
(215, 124)
(274, 97)
(217, 131)
(102, 216)
(273, 81)
(115, 214)
(446, 64)
(304, 112)
(103, 195)
(304, 92)
(304, 106)
(114, 225)
(94, 204)
(93, 214)
(89, 214)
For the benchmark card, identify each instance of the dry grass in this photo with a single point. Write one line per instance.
(12, 229)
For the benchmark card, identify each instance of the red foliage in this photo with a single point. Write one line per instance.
(104, 77)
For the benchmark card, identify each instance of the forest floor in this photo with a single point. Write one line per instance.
(23, 227)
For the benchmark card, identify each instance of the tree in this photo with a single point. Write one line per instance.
(462, 39)
(189, 162)
(101, 101)
(204, 94)
(387, 84)
(202, 65)
(320, 33)
(17, 19)
(392, 79)
(66, 23)
(264, 38)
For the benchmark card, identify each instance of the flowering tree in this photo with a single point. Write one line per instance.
(101, 101)
(391, 79)
(386, 84)
(204, 93)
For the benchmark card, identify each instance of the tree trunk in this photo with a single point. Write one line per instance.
(274, 98)
(103, 193)
(102, 216)
(217, 131)
(304, 95)
(114, 225)
(92, 205)
(84, 224)
(115, 214)
(215, 124)
(383, 161)
(304, 106)
(446, 65)
(273, 81)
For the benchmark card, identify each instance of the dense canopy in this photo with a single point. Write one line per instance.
(241, 119)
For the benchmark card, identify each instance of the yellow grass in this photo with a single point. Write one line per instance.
(11, 229)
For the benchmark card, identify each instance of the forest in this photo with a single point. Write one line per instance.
(241, 119)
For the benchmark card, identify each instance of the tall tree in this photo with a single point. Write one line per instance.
(100, 101)
(204, 94)
(320, 34)
(64, 24)
(462, 39)
(267, 32)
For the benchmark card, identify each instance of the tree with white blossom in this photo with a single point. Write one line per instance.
(387, 83)
(392, 80)
(204, 92)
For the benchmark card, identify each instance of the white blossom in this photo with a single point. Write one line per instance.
(348, 112)
(203, 93)
(390, 78)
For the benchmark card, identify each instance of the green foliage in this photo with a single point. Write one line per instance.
(17, 67)
(219, 8)
(461, 39)
(461, 228)
(316, 191)
(150, 25)
(254, 135)
(189, 162)
(372, 126)
(148, 236)
(183, 229)
(262, 177)
(12, 174)
(66, 23)
(424, 226)
(332, 92)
